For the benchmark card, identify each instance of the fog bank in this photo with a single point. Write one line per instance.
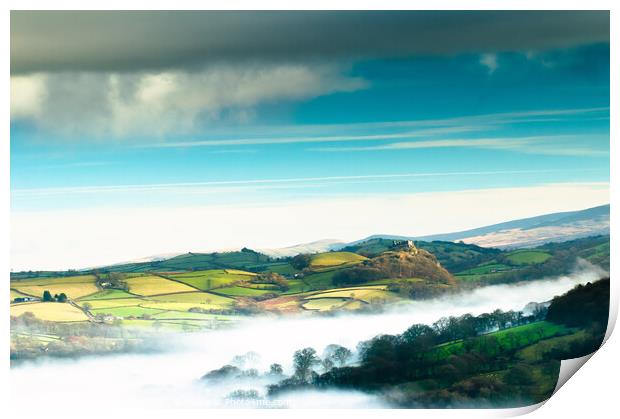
(170, 379)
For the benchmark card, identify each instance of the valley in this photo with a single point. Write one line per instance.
(194, 292)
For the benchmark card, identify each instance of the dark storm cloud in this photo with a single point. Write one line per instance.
(135, 41)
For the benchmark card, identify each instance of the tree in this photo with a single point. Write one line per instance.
(276, 369)
(118, 280)
(336, 355)
(62, 298)
(47, 296)
(303, 360)
(301, 261)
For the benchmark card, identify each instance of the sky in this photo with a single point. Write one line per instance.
(145, 133)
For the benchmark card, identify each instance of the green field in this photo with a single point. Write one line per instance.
(320, 280)
(200, 261)
(477, 277)
(527, 257)
(115, 302)
(282, 269)
(211, 279)
(333, 259)
(485, 269)
(535, 352)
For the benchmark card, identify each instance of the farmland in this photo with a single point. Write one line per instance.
(148, 297)
(194, 287)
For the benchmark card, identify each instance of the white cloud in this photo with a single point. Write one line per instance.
(557, 145)
(27, 95)
(86, 237)
(124, 104)
(321, 139)
(490, 62)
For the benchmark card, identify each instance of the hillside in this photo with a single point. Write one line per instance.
(498, 359)
(454, 257)
(411, 263)
(197, 290)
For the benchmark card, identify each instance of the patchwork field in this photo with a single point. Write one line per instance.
(528, 257)
(58, 312)
(196, 287)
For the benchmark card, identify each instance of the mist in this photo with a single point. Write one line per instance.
(171, 379)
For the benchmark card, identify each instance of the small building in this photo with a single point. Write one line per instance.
(24, 299)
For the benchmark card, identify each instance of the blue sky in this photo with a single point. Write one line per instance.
(282, 132)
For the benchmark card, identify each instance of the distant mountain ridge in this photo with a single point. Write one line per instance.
(526, 232)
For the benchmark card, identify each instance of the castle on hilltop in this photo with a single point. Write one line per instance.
(403, 245)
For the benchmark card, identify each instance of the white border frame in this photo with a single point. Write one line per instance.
(593, 393)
